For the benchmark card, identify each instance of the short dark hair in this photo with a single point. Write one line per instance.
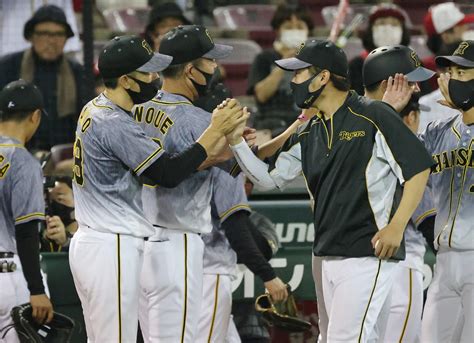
(111, 83)
(16, 116)
(373, 87)
(284, 12)
(177, 70)
(341, 83)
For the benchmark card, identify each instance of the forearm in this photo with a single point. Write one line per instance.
(271, 147)
(412, 194)
(27, 243)
(220, 153)
(266, 88)
(171, 170)
(237, 231)
(255, 169)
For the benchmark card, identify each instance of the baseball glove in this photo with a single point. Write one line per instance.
(282, 315)
(59, 330)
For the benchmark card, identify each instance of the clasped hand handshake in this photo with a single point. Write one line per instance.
(229, 118)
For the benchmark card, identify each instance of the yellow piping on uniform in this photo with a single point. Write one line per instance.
(424, 215)
(119, 288)
(216, 297)
(239, 206)
(183, 330)
(370, 300)
(461, 192)
(100, 106)
(27, 216)
(141, 165)
(410, 285)
(12, 146)
(171, 102)
(456, 132)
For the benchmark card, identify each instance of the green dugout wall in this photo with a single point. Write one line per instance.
(292, 262)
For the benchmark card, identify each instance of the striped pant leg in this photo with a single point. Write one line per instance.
(105, 268)
(404, 320)
(215, 308)
(357, 289)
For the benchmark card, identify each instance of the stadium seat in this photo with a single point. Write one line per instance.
(250, 17)
(131, 20)
(61, 152)
(237, 65)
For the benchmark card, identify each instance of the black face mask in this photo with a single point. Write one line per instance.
(462, 93)
(301, 94)
(146, 93)
(211, 79)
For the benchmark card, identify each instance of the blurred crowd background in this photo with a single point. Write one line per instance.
(56, 43)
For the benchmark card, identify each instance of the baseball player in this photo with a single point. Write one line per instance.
(170, 302)
(111, 152)
(231, 239)
(22, 207)
(405, 304)
(355, 155)
(449, 308)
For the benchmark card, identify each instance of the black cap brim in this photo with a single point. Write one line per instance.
(157, 63)
(420, 74)
(218, 52)
(446, 61)
(292, 63)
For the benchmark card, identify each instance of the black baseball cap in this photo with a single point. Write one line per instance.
(463, 56)
(187, 43)
(163, 11)
(318, 53)
(386, 61)
(20, 96)
(125, 54)
(44, 14)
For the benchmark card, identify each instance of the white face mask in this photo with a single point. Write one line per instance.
(468, 35)
(293, 38)
(386, 35)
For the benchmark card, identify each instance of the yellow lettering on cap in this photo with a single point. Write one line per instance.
(209, 35)
(300, 48)
(147, 47)
(461, 48)
(415, 58)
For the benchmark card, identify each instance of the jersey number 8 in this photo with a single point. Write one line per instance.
(78, 168)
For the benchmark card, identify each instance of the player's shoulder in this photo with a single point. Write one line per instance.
(23, 162)
(440, 126)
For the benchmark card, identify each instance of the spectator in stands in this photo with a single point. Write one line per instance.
(271, 85)
(14, 15)
(388, 25)
(163, 17)
(446, 26)
(59, 78)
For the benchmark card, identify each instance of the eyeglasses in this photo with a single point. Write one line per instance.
(50, 34)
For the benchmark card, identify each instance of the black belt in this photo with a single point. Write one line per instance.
(6, 254)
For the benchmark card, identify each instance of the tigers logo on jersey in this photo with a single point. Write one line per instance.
(147, 47)
(461, 48)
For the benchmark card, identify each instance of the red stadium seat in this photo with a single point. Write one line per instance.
(237, 65)
(250, 17)
(126, 19)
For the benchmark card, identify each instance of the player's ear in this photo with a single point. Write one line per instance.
(383, 86)
(124, 81)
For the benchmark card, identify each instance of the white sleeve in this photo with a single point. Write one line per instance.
(287, 167)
